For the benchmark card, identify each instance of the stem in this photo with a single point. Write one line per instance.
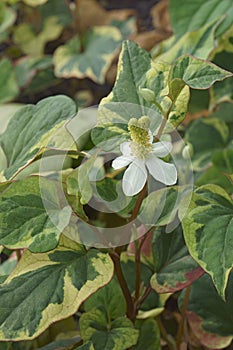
(183, 311)
(138, 273)
(162, 126)
(121, 278)
(164, 334)
(143, 297)
(136, 209)
(74, 9)
(18, 254)
(138, 266)
(164, 122)
(158, 106)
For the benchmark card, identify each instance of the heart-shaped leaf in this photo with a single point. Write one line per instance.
(208, 232)
(30, 129)
(188, 15)
(100, 46)
(24, 220)
(174, 268)
(209, 317)
(118, 334)
(48, 287)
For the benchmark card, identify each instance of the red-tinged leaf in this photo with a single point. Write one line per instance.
(210, 340)
(174, 268)
(210, 318)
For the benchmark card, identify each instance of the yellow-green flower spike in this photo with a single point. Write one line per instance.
(139, 132)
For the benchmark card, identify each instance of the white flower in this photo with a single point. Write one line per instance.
(141, 154)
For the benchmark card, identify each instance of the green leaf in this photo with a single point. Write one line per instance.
(34, 3)
(50, 287)
(188, 15)
(62, 344)
(199, 43)
(35, 74)
(174, 268)
(127, 27)
(209, 317)
(78, 181)
(7, 111)
(149, 336)
(194, 72)
(86, 346)
(134, 62)
(100, 46)
(57, 8)
(8, 84)
(30, 130)
(214, 176)
(159, 208)
(203, 146)
(180, 107)
(221, 92)
(7, 17)
(32, 43)
(208, 232)
(24, 221)
(6, 268)
(174, 107)
(224, 159)
(109, 299)
(105, 335)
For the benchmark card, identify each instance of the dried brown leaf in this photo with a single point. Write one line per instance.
(90, 13)
(147, 40)
(160, 17)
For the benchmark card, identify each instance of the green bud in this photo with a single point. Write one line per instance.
(187, 151)
(147, 94)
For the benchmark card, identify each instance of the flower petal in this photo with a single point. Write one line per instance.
(134, 178)
(121, 162)
(150, 136)
(162, 149)
(162, 171)
(125, 148)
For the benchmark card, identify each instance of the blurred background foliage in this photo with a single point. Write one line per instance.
(50, 47)
(62, 46)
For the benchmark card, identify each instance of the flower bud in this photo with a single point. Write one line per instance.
(187, 151)
(147, 94)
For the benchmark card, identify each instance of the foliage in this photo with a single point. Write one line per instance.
(85, 266)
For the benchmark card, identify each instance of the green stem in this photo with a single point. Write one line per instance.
(164, 122)
(158, 106)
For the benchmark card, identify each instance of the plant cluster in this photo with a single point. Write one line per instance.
(116, 222)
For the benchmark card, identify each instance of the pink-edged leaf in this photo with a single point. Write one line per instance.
(174, 268)
(210, 317)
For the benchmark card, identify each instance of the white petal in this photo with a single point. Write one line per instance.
(162, 149)
(162, 171)
(151, 136)
(134, 178)
(121, 162)
(125, 148)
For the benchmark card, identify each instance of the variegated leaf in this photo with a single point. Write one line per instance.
(48, 287)
(30, 129)
(208, 232)
(91, 61)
